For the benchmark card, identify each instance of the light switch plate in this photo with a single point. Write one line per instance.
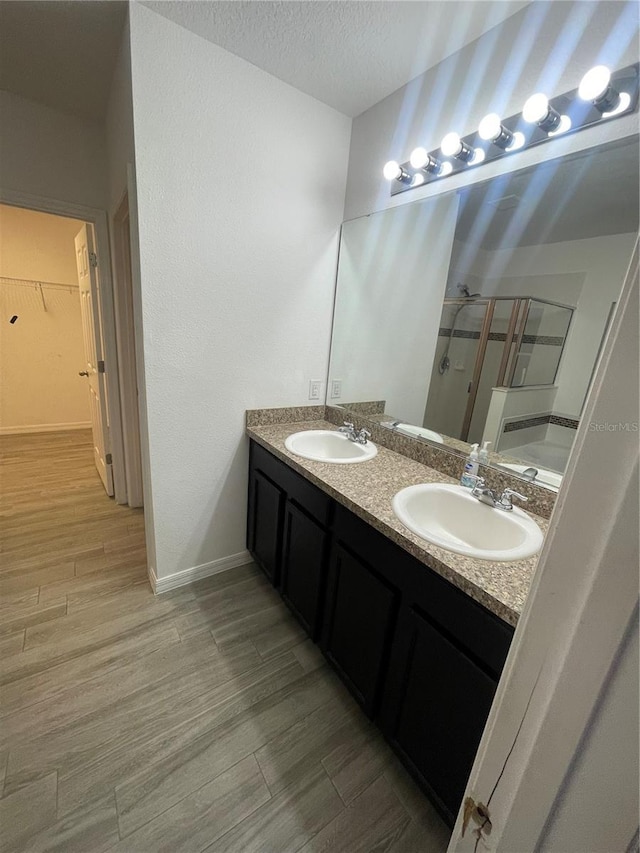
(336, 389)
(315, 387)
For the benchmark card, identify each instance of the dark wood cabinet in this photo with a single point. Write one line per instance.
(436, 718)
(304, 561)
(360, 618)
(264, 534)
(420, 656)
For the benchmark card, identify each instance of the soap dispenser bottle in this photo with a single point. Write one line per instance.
(470, 471)
(484, 453)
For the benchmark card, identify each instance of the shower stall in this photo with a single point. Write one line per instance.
(489, 342)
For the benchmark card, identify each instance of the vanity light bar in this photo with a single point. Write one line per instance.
(600, 95)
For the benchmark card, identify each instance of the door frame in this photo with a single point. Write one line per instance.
(98, 219)
(125, 338)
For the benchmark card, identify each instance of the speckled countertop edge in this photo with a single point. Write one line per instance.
(367, 489)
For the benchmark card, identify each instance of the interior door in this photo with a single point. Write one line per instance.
(89, 284)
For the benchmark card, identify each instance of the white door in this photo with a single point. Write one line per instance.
(89, 282)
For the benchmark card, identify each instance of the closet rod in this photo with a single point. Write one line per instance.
(28, 282)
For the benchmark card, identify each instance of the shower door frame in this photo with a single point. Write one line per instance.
(518, 318)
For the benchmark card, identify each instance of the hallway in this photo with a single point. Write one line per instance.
(199, 720)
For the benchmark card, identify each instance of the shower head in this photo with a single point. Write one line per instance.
(464, 290)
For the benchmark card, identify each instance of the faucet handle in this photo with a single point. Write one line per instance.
(506, 498)
(363, 435)
(478, 484)
(348, 425)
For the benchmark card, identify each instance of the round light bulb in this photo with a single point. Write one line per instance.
(490, 126)
(594, 83)
(518, 141)
(451, 145)
(535, 108)
(391, 170)
(417, 179)
(563, 127)
(625, 101)
(445, 169)
(419, 158)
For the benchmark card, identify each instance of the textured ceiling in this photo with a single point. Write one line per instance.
(61, 54)
(346, 53)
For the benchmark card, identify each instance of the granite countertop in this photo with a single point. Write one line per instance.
(367, 489)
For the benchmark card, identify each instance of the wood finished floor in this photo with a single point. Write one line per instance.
(199, 720)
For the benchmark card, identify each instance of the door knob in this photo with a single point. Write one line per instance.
(83, 373)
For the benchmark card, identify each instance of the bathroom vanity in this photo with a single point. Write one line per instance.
(419, 635)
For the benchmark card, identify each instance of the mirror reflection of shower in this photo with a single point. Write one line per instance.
(499, 342)
(445, 361)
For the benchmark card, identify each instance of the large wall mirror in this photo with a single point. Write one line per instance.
(478, 315)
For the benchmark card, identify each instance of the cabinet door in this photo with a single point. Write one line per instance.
(441, 710)
(264, 529)
(361, 614)
(303, 567)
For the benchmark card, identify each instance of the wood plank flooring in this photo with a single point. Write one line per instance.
(200, 720)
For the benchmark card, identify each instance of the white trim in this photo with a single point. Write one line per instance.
(24, 428)
(125, 337)
(98, 219)
(187, 576)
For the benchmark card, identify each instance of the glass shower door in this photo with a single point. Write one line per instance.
(462, 324)
(496, 352)
(541, 344)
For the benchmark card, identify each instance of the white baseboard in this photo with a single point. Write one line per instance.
(187, 576)
(18, 430)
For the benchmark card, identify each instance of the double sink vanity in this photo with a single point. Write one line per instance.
(458, 321)
(410, 585)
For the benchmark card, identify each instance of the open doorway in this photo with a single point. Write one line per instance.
(72, 339)
(63, 531)
(41, 345)
(52, 345)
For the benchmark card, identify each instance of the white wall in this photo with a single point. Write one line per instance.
(42, 352)
(546, 46)
(240, 192)
(390, 288)
(119, 126)
(51, 154)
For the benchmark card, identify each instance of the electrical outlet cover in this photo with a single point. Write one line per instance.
(315, 386)
(336, 389)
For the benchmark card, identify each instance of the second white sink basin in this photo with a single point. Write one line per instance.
(326, 445)
(451, 518)
(420, 432)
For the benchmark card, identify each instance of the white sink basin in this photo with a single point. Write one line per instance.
(325, 445)
(420, 432)
(449, 517)
(550, 479)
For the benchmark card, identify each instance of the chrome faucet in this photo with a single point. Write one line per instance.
(488, 496)
(353, 435)
(530, 474)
